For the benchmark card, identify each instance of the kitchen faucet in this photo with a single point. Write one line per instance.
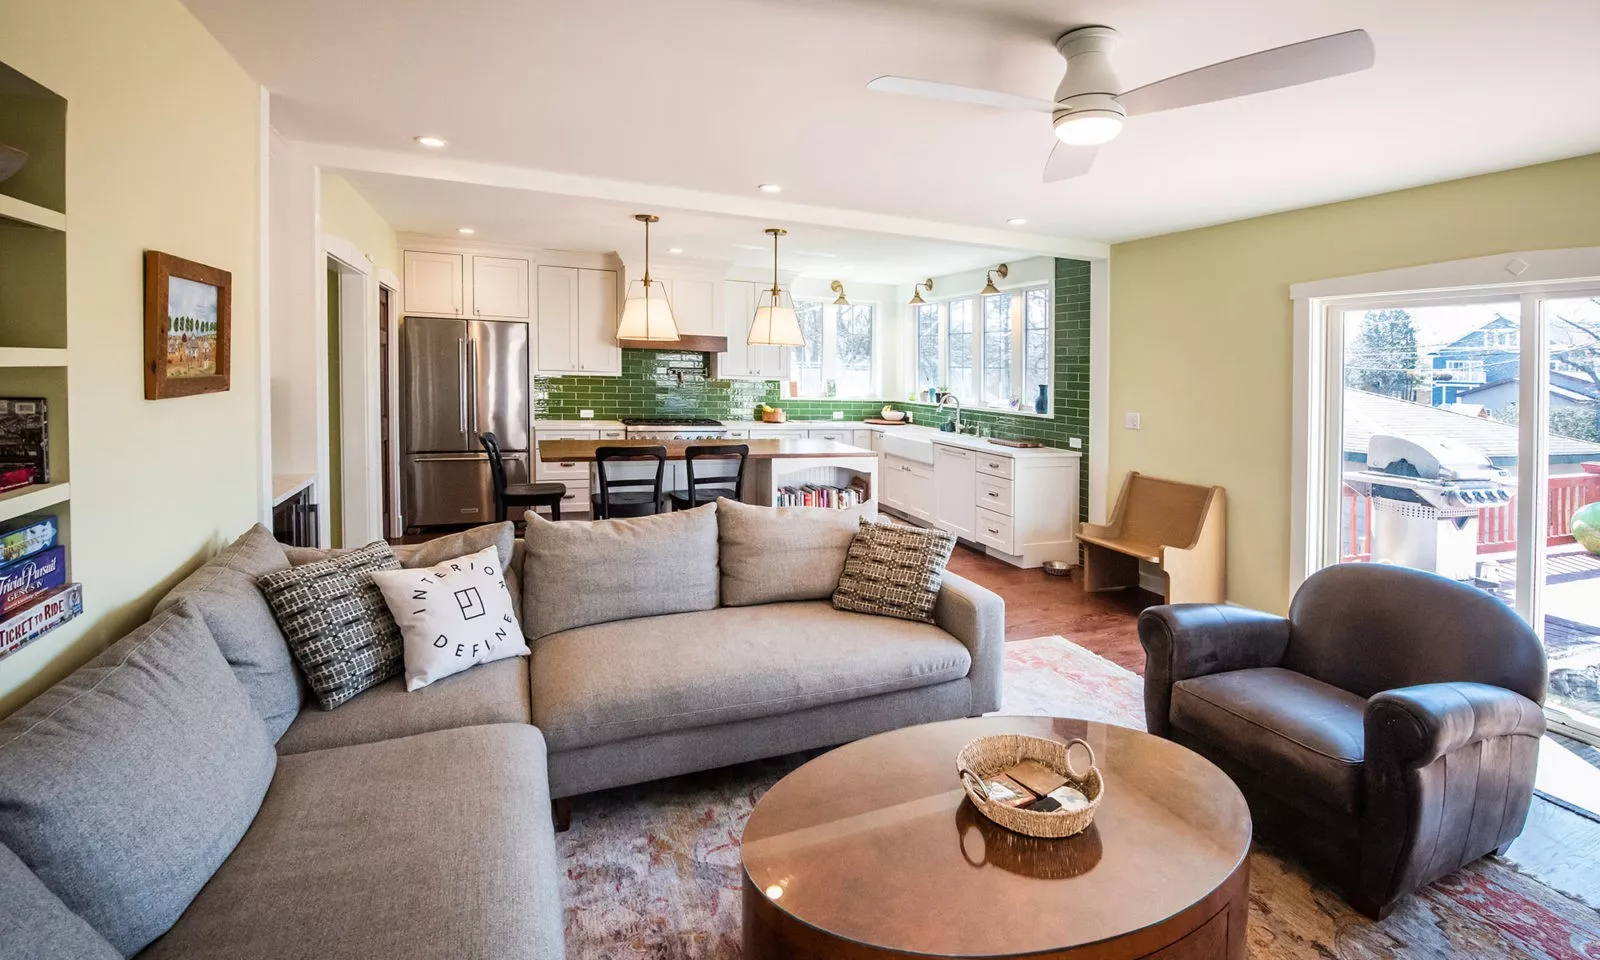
(951, 398)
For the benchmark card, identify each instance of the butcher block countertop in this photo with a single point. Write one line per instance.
(571, 451)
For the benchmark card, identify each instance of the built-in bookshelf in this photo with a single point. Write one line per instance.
(35, 359)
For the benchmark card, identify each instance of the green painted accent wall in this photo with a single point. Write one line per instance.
(665, 383)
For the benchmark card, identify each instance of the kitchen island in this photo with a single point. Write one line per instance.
(773, 465)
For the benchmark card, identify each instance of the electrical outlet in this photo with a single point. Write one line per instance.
(1075, 443)
(1131, 421)
(585, 414)
(838, 414)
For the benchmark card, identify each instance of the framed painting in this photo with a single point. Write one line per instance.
(188, 314)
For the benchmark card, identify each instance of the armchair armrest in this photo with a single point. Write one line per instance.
(1413, 726)
(1187, 640)
(977, 617)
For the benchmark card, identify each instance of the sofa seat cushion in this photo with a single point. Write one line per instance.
(488, 693)
(438, 845)
(1291, 729)
(613, 681)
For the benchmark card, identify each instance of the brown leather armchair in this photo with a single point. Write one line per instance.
(1386, 731)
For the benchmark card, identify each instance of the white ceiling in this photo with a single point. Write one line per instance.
(721, 95)
(553, 221)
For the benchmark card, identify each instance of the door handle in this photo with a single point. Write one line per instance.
(461, 367)
(448, 458)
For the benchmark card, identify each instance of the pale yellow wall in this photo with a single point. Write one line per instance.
(1201, 326)
(161, 154)
(347, 214)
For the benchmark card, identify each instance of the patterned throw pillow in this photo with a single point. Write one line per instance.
(894, 571)
(453, 615)
(336, 622)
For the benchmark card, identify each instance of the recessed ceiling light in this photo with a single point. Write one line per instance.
(770, 188)
(1017, 221)
(466, 231)
(434, 142)
(674, 249)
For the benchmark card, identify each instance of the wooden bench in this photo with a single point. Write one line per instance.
(1180, 527)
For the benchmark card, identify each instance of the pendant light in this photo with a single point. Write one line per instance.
(989, 288)
(775, 324)
(916, 291)
(837, 286)
(647, 315)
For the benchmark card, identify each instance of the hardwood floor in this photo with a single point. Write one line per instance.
(1038, 604)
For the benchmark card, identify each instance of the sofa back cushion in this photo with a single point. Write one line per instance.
(577, 573)
(126, 785)
(224, 591)
(775, 554)
(35, 923)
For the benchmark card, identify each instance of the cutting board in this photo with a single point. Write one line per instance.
(1023, 444)
(884, 423)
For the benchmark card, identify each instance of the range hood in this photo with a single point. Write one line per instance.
(688, 343)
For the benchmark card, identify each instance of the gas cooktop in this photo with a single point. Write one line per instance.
(670, 422)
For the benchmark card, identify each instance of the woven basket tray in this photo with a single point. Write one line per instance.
(986, 757)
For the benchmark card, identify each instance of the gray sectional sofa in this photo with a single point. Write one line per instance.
(178, 797)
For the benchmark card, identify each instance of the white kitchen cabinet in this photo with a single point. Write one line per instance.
(573, 473)
(954, 479)
(908, 487)
(500, 288)
(694, 304)
(780, 433)
(742, 361)
(865, 439)
(433, 283)
(577, 322)
(598, 352)
(837, 435)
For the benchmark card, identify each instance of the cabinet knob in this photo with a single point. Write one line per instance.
(993, 465)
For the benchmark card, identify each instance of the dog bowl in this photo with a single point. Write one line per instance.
(1057, 568)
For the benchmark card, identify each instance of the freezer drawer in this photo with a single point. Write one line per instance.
(450, 488)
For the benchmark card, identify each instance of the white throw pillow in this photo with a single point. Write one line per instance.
(454, 615)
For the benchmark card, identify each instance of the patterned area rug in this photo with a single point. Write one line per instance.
(653, 871)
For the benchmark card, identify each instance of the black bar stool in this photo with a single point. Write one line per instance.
(525, 495)
(705, 489)
(637, 497)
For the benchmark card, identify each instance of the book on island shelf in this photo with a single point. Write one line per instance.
(39, 618)
(24, 442)
(822, 495)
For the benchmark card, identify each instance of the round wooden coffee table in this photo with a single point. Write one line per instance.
(872, 850)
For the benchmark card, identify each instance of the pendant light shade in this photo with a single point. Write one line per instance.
(775, 324)
(646, 314)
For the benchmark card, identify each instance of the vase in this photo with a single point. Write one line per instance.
(1042, 404)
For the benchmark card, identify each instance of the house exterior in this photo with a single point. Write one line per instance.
(1566, 392)
(1487, 355)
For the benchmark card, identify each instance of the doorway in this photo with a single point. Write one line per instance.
(385, 426)
(351, 400)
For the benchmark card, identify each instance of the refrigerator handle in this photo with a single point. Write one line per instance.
(472, 381)
(461, 366)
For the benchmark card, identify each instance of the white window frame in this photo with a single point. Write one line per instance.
(1316, 473)
(1019, 323)
(830, 356)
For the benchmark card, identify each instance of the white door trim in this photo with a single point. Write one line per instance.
(361, 450)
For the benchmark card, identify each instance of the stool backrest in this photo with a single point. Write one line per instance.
(609, 484)
(716, 451)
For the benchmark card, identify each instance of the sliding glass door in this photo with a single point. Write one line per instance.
(1463, 437)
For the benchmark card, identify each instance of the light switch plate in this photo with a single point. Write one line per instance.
(1131, 421)
(1075, 443)
(585, 414)
(838, 414)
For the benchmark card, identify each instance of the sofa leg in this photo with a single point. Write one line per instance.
(561, 813)
(1501, 850)
(1371, 909)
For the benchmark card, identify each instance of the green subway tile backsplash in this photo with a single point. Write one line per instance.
(667, 383)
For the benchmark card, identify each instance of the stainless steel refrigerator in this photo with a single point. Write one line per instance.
(459, 379)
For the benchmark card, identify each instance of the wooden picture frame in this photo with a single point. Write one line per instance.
(188, 327)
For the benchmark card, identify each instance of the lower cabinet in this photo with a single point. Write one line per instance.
(955, 478)
(908, 487)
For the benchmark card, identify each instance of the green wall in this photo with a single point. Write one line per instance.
(650, 387)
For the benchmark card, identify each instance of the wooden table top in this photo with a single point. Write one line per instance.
(573, 451)
(875, 845)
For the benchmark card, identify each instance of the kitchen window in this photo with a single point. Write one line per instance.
(998, 349)
(840, 349)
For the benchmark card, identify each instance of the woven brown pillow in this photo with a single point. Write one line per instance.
(894, 571)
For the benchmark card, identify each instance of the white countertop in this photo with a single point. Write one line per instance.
(932, 434)
(577, 424)
(286, 485)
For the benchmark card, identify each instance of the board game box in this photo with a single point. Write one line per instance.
(24, 581)
(24, 441)
(27, 538)
(44, 615)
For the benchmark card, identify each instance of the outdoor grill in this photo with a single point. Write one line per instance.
(1426, 494)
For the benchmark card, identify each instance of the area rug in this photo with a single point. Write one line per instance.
(653, 871)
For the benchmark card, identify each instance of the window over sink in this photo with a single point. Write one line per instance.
(993, 351)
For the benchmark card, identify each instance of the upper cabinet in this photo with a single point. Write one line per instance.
(433, 283)
(500, 288)
(696, 301)
(577, 322)
(742, 361)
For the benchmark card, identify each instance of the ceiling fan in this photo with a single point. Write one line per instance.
(1088, 110)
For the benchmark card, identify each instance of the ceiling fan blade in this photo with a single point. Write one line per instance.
(1286, 66)
(960, 94)
(1067, 162)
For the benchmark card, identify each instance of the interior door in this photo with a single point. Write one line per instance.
(433, 385)
(497, 386)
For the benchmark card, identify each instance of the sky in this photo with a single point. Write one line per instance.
(186, 298)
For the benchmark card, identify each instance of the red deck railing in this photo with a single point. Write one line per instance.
(1497, 525)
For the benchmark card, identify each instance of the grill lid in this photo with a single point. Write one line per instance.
(1429, 458)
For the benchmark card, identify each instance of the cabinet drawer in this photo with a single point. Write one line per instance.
(564, 470)
(994, 493)
(995, 530)
(841, 436)
(995, 466)
(575, 501)
(738, 435)
(613, 434)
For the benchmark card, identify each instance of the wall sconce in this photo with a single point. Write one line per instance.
(837, 286)
(988, 285)
(916, 291)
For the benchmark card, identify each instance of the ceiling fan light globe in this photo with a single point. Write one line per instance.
(1088, 128)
